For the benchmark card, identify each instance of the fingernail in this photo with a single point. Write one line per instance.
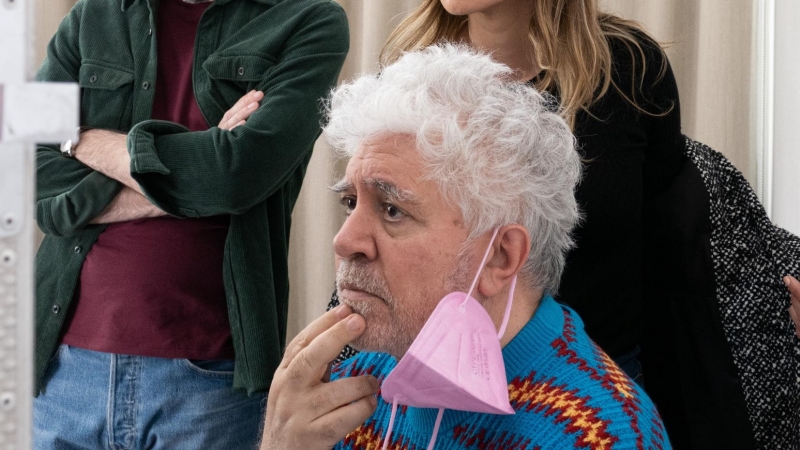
(374, 382)
(354, 324)
(252, 106)
(373, 401)
(787, 281)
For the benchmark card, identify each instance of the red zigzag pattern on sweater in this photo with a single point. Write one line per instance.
(612, 378)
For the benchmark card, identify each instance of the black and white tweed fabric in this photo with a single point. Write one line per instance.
(750, 257)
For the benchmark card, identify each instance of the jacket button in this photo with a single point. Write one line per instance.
(145, 85)
(77, 249)
(56, 309)
(92, 78)
(240, 71)
(150, 32)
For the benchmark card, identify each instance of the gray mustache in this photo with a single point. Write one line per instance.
(359, 276)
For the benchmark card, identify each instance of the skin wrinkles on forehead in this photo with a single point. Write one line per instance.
(391, 191)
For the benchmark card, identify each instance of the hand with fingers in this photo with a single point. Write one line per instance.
(794, 310)
(241, 111)
(305, 412)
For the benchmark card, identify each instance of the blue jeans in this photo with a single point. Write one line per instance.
(96, 400)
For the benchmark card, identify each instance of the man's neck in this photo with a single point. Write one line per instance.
(524, 305)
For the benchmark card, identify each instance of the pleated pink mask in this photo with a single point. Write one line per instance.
(455, 362)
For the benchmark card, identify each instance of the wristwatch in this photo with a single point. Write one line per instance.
(68, 146)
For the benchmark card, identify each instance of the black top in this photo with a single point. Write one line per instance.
(628, 156)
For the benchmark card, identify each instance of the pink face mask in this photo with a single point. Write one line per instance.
(455, 362)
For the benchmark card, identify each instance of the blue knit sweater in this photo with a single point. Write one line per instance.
(565, 391)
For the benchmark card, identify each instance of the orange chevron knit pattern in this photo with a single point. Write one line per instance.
(568, 408)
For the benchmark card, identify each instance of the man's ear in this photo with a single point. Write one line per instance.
(509, 252)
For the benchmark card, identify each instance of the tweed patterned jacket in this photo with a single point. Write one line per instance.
(721, 359)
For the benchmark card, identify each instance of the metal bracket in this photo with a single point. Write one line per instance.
(38, 112)
(30, 113)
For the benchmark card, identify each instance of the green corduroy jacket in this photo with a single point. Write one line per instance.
(293, 51)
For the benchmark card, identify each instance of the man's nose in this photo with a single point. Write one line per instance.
(356, 238)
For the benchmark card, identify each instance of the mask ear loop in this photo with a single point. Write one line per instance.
(436, 429)
(480, 269)
(391, 423)
(507, 313)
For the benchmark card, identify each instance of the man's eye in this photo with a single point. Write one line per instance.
(349, 203)
(393, 213)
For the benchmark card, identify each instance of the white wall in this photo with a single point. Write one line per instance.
(786, 119)
(710, 46)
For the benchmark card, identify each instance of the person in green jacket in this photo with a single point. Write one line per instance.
(162, 280)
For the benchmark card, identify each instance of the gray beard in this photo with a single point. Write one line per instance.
(394, 338)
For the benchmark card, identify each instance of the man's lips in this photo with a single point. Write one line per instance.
(350, 292)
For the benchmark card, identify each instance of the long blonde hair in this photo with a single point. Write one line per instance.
(570, 42)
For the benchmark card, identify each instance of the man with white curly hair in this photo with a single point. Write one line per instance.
(451, 160)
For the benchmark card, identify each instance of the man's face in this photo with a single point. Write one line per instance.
(397, 253)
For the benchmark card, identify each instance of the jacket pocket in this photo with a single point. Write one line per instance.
(105, 95)
(234, 75)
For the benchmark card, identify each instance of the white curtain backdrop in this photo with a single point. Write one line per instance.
(712, 53)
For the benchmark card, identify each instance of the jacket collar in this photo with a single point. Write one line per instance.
(127, 3)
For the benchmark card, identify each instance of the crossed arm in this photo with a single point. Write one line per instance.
(204, 173)
(107, 152)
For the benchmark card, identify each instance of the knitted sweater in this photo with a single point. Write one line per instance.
(566, 393)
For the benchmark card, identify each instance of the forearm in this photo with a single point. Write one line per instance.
(128, 205)
(107, 152)
(68, 193)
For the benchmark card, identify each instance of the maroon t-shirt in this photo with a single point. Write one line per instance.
(153, 287)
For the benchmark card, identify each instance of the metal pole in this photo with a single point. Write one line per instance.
(16, 241)
(22, 123)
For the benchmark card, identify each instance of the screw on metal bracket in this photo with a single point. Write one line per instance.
(7, 401)
(7, 258)
(8, 222)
